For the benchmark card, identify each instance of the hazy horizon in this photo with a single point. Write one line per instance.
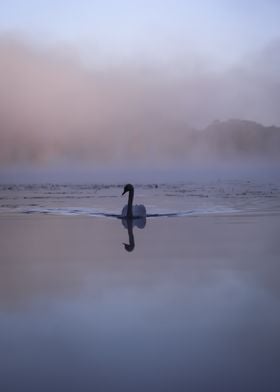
(83, 86)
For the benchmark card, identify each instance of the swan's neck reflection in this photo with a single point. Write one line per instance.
(128, 224)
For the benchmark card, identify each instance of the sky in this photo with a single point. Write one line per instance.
(111, 81)
(160, 28)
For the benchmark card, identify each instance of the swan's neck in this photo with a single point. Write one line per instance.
(129, 206)
(130, 234)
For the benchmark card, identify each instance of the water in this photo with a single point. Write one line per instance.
(189, 303)
(160, 199)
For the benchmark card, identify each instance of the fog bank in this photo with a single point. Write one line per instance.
(53, 109)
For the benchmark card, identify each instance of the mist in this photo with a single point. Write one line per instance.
(55, 110)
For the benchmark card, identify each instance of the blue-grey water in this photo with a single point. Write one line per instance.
(189, 303)
(180, 198)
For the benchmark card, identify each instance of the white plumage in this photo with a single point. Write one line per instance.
(138, 211)
(131, 211)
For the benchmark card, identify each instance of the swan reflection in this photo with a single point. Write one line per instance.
(140, 223)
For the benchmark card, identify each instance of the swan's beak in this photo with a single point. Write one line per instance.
(124, 192)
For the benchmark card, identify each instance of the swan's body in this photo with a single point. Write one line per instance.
(138, 211)
(131, 211)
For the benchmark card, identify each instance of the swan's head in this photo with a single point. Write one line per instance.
(127, 188)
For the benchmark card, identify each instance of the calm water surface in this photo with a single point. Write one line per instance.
(190, 304)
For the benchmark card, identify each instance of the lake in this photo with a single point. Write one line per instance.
(189, 302)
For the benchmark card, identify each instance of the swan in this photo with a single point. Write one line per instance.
(129, 211)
